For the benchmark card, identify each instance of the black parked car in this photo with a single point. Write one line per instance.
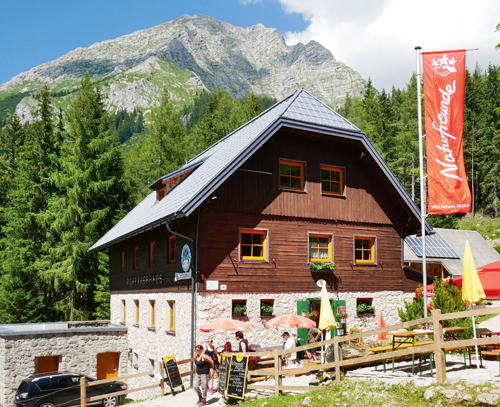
(63, 390)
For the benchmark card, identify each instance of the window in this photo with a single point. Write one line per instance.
(136, 302)
(364, 249)
(136, 257)
(171, 309)
(332, 181)
(124, 314)
(152, 248)
(171, 249)
(365, 306)
(292, 175)
(266, 308)
(122, 261)
(239, 308)
(253, 245)
(320, 248)
(152, 305)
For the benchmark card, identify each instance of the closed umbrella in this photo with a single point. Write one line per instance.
(472, 289)
(326, 318)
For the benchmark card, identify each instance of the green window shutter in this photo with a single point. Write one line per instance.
(302, 332)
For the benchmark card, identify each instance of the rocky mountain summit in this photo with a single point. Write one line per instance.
(186, 55)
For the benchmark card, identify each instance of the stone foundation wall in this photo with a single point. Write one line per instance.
(77, 349)
(151, 345)
(216, 306)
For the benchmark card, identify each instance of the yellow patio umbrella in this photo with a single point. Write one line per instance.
(472, 289)
(326, 318)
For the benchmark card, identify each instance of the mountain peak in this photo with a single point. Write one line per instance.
(189, 54)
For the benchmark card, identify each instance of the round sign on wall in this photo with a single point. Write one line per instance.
(186, 258)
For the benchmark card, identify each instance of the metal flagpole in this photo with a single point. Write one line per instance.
(422, 180)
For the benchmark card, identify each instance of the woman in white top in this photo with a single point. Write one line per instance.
(211, 352)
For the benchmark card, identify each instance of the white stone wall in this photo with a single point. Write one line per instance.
(216, 306)
(151, 344)
(78, 351)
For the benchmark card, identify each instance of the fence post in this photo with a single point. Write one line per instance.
(438, 349)
(277, 377)
(83, 392)
(337, 359)
(162, 381)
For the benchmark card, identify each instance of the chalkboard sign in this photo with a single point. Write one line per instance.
(173, 374)
(237, 380)
(223, 369)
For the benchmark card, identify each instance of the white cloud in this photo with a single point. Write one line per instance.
(247, 2)
(377, 38)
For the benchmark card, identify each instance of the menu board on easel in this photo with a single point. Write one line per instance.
(237, 378)
(173, 374)
(225, 361)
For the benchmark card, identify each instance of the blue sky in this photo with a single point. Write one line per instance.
(374, 37)
(34, 32)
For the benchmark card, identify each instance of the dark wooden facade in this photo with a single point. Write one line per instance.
(251, 198)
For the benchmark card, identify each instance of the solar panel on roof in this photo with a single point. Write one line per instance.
(435, 246)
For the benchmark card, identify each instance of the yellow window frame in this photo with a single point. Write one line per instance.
(290, 176)
(362, 250)
(172, 242)
(124, 303)
(136, 302)
(340, 182)
(171, 306)
(152, 303)
(318, 260)
(136, 257)
(253, 232)
(152, 253)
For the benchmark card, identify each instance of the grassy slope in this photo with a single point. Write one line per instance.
(367, 393)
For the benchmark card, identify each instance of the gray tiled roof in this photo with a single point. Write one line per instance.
(223, 158)
(482, 252)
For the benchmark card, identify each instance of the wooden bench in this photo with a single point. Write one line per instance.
(492, 353)
(383, 349)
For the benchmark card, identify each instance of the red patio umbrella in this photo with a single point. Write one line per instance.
(290, 321)
(495, 266)
(489, 279)
(224, 325)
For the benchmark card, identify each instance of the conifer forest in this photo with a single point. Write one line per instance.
(68, 177)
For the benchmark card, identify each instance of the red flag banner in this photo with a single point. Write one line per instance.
(444, 86)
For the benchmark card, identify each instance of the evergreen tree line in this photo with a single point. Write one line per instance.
(390, 120)
(65, 181)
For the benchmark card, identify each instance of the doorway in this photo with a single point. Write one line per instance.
(107, 365)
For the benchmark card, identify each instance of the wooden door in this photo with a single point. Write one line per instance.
(107, 365)
(47, 364)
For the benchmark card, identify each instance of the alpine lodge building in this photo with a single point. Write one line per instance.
(244, 229)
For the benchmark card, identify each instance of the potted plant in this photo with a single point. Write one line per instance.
(322, 267)
(239, 310)
(342, 316)
(266, 310)
(365, 309)
(314, 315)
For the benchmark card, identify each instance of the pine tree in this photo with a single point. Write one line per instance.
(25, 295)
(95, 200)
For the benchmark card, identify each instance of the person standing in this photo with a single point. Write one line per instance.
(289, 344)
(203, 364)
(211, 352)
(312, 337)
(243, 348)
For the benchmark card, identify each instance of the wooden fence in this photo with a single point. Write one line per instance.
(83, 384)
(438, 348)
